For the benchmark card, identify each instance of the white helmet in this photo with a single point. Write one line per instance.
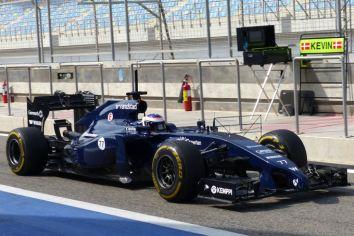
(155, 121)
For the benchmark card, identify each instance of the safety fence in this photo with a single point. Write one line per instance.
(137, 65)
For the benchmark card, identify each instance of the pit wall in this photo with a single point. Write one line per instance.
(219, 83)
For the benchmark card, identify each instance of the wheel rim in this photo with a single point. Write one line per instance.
(14, 152)
(166, 172)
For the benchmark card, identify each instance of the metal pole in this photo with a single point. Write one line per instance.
(102, 83)
(29, 83)
(50, 81)
(50, 32)
(161, 36)
(339, 16)
(278, 9)
(242, 14)
(8, 92)
(37, 32)
(96, 31)
(344, 87)
(76, 79)
(51, 86)
(238, 82)
(132, 75)
(229, 32)
(296, 103)
(207, 10)
(41, 31)
(127, 27)
(201, 97)
(111, 30)
(162, 66)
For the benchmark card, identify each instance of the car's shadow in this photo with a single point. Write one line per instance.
(326, 196)
(321, 197)
(99, 181)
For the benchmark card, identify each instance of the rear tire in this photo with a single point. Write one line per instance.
(288, 143)
(176, 169)
(27, 151)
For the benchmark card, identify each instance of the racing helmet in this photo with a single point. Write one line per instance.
(155, 122)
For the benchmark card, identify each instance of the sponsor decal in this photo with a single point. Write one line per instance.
(101, 143)
(195, 142)
(127, 106)
(110, 116)
(219, 190)
(322, 45)
(130, 129)
(125, 180)
(206, 187)
(35, 122)
(274, 157)
(65, 75)
(264, 151)
(254, 146)
(36, 113)
(295, 182)
(294, 168)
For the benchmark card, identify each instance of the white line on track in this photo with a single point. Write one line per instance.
(4, 135)
(118, 212)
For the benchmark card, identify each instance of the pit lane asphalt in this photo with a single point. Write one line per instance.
(322, 212)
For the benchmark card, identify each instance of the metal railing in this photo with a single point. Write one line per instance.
(102, 65)
(296, 68)
(162, 63)
(22, 66)
(132, 65)
(227, 124)
(198, 63)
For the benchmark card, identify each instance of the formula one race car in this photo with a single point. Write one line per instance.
(110, 141)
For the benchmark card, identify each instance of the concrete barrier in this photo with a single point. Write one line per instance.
(9, 123)
(329, 149)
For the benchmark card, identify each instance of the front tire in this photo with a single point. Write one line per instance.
(26, 151)
(176, 169)
(287, 143)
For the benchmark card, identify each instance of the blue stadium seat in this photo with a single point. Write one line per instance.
(69, 14)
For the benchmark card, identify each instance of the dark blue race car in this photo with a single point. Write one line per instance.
(111, 142)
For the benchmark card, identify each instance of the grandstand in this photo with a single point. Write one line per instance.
(74, 24)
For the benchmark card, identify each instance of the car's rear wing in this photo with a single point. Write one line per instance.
(38, 109)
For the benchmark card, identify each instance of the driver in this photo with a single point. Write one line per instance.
(155, 122)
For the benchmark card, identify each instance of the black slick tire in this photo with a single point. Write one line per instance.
(288, 143)
(26, 151)
(177, 167)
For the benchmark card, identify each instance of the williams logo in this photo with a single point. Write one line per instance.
(219, 190)
(126, 106)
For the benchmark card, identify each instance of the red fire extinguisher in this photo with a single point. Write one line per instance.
(4, 92)
(187, 98)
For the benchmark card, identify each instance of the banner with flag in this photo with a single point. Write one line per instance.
(322, 45)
